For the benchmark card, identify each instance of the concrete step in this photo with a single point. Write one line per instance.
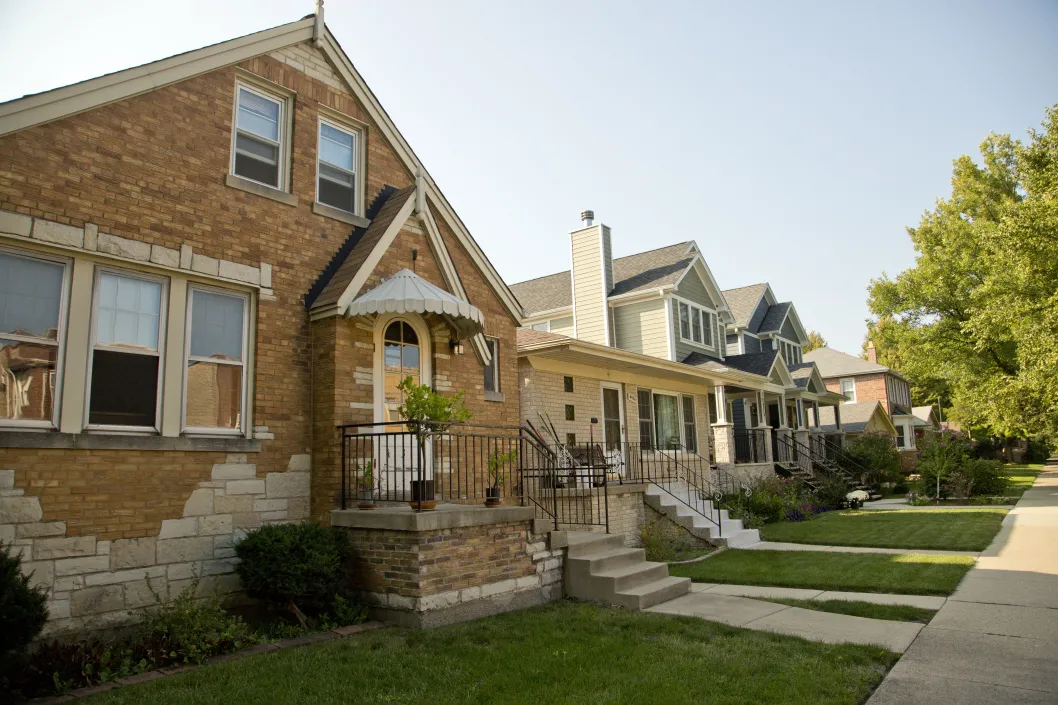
(649, 594)
(612, 558)
(627, 577)
(586, 542)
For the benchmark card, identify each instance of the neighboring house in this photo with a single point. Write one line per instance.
(207, 264)
(865, 380)
(664, 304)
(928, 417)
(858, 418)
(763, 323)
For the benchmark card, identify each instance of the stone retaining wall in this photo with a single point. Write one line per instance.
(94, 584)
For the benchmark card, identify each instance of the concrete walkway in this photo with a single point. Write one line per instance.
(996, 638)
(782, 546)
(793, 621)
(901, 503)
(926, 602)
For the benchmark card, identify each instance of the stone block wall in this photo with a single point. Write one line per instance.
(748, 472)
(97, 583)
(626, 510)
(421, 578)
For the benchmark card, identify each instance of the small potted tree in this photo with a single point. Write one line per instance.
(497, 462)
(425, 412)
(366, 486)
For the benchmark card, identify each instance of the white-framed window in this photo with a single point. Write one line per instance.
(901, 436)
(338, 166)
(33, 301)
(259, 137)
(697, 325)
(690, 428)
(215, 361)
(666, 420)
(126, 344)
(492, 370)
(544, 327)
(848, 388)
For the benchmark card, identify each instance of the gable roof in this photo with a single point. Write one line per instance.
(834, 363)
(40, 108)
(854, 417)
(363, 242)
(926, 414)
(642, 271)
(774, 318)
(743, 302)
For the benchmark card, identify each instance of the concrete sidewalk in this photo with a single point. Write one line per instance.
(996, 638)
(783, 546)
(766, 592)
(792, 621)
(899, 503)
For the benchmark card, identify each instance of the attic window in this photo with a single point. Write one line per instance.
(258, 142)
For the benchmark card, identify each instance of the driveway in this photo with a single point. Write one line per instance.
(996, 639)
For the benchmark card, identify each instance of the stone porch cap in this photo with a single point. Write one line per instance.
(446, 516)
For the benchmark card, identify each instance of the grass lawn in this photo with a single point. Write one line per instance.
(908, 573)
(952, 530)
(1021, 477)
(894, 613)
(562, 653)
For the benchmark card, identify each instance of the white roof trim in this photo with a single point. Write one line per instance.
(52, 105)
(375, 255)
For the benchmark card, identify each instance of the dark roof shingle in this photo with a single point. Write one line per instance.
(774, 318)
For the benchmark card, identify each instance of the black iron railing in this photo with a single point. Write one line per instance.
(751, 446)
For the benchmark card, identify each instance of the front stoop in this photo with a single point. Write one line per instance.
(730, 533)
(599, 568)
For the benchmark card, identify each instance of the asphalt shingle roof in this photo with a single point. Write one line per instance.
(638, 272)
(743, 302)
(801, 373)
(753, 363)
(369, 237)
(774, 318)
(854, 416)
(834, 363)
(528, 336)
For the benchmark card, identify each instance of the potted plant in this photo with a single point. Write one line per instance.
(366, 486)
(497, 461)
(425, 412)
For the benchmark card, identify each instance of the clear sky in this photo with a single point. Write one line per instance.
(793, 141)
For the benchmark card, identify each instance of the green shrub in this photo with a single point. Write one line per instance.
(771, 499)
(988, 477)
(295, 567)
(876, 453)
(830, 493)
(23, 611)
(663, 542)
(950, 459)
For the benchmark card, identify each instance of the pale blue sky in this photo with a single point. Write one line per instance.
(793, 141)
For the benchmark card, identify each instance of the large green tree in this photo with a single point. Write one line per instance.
(976, 318)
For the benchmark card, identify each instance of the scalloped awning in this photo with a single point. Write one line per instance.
(407, 292)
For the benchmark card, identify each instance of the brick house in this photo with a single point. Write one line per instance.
(188, 255)
(865, 382)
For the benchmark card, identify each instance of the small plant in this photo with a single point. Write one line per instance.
(497, 461)
(298, 568)
(23, 612)
(426, 412)
(663, 542)
(366, 476)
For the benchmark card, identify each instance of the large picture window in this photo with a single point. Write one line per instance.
(258, 150)
(126, 352)
(215, 377)
(32, 315)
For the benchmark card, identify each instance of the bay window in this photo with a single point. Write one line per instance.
(33, 304)
(215, 370)
(127, 339)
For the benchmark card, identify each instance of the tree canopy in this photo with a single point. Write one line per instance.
(976, 318)
(815, 341)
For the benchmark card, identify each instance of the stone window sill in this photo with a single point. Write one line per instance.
(495, 396)
(339, 214)
(260, 190)
(100, 441)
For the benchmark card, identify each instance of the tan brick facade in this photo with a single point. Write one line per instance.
(151, 170)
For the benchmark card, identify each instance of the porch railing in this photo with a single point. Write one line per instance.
(751, 446)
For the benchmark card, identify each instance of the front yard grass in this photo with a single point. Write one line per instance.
(903, 573)
(562, 653)
(893, 613)
(951, 530)
(1021, 477)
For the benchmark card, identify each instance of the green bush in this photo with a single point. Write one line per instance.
(876, 453)
(663, 542)
(771, 499)
(830, 493)
(951, 459)
(295, 567)
(23, 611)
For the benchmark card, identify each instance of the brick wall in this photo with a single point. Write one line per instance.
(868, 388)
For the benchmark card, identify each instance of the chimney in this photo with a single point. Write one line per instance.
(872, 353)
(592, 279)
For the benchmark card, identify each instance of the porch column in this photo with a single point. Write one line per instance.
(837, 424)
(723, 430)
(782, 412)
(800, 405)
(762, 410)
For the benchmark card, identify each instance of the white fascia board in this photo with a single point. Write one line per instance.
(541, 316)
(437, 244)
(791, 315)
(375, 255)
(69, 100)
(637, 296)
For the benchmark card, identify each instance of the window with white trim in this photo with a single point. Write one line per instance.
(690, 428)
(337, 160)
(492, 370)
(33, 300)
(901, 437)
(697, 325)
(215, 371)
(125, 367)
(544, 327)
(848, 388)
(258, 142)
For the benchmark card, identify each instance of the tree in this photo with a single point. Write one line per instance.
(815, 341)
(976, 317)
